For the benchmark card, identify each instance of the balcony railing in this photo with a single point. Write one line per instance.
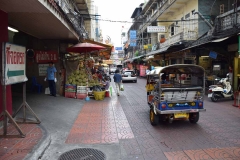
(67, 7)
(227, 20)
(182, 36)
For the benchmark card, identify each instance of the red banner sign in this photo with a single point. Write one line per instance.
(46, 56)
(143, 70)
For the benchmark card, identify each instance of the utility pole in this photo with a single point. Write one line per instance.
(142, 36)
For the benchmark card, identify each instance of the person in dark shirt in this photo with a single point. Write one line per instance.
(118, 80)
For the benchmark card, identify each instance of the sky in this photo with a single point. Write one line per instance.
(116, 10)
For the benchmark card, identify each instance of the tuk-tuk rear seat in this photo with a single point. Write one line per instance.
(182, 94)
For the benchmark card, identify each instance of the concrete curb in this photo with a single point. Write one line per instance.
(39, 149)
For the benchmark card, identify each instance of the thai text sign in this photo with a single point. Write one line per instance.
(46, 56)
(42, 69)
(14, 64)
(156, 29)
(133, 34)
(133, 38)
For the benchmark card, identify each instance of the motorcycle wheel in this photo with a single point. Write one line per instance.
(214, 97)
(232, 97)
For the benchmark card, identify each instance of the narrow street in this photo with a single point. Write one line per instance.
(120, 128)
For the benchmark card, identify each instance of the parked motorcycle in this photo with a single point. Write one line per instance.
(223, 89)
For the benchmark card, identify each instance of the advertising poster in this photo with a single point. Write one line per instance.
(14, 64)
(42, 69)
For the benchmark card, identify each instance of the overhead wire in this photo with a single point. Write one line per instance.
(117, 21)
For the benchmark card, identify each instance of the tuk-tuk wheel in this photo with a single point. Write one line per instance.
(154, 118)
(194, 117)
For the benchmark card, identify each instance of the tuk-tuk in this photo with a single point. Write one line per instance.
(176, 92)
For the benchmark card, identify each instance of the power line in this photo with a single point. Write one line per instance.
(117, 21)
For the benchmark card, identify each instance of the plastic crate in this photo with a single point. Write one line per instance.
(99, 95)
(70, 88)
(70, 94)
(81, 89)
(81, 95)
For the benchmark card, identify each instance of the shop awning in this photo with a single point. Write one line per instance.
(137, 57)
(158, 51)
(105, 52)
(95, 42)
(220, 40)
(214, 41)
(128, 60)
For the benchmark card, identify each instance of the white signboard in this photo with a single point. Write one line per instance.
(114, 56)
(14, 64)
(156, 29)
(42, 69)
(116, 62)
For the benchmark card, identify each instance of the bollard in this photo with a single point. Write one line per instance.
(236, 99)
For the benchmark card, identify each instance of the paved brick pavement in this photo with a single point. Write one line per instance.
(124, 122)
(18, 148)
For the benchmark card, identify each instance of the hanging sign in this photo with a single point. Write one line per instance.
(213, 54)
(143, 70)
(14, 64)
(156, 29)
(46, 56)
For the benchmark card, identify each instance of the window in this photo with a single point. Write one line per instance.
(172, 29)
(187, 16)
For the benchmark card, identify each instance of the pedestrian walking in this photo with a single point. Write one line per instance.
(118, 80)
(51, 77)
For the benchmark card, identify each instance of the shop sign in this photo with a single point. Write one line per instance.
(46, 56)
(118, 48)
(143, 70)
(133, 34)
(116, 62)
(14, 64)
(108, 61)
(42, 69)
(213, 55)
(133, 38)
(156, 29)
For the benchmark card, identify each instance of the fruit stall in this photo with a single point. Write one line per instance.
(80, 83)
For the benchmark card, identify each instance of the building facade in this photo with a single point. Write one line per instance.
(187, 32)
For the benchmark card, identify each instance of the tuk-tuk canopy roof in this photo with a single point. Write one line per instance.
(178, 69)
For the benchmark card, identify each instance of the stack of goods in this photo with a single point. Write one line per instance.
(93, 82)
(81, 92)
(70, 91)
(78, 77)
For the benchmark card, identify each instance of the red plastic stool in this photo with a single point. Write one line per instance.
(107, 94)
